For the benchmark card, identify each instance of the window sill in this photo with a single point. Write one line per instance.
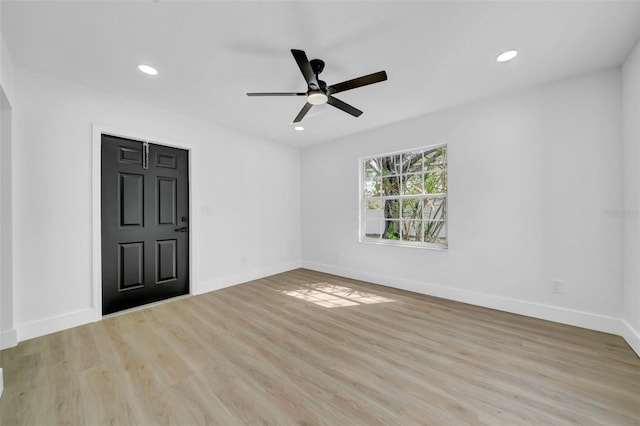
(396, 243)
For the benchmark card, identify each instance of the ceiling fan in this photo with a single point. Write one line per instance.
(318, 92)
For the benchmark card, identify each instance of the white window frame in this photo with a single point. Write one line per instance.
(364, 199)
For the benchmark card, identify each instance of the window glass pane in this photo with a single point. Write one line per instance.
(411, 230)
(374, 228)
(371, 178)
(390, 186)
(391, 230)
(412, 208)
(435, 209)
(374, 212)
(412, 184)
(435, 183)
(435, 156)
(372, 188)
(443, 158)
(435, 232)
(374, 205)
(433, 167)
(372, 168)
(391, 165)
(412, 162)
(392, 209)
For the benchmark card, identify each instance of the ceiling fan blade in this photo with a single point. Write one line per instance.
(376, 77)
(344, 106)
(305, 67)
(277, 94)
(305, 109)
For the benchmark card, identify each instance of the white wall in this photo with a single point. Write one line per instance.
(251, 187)
(6, 69)
(532, 178)
(631, 216)
(7, 331)
(8, 336)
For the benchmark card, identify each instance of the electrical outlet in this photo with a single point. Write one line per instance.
(244, 261)
(557, 287)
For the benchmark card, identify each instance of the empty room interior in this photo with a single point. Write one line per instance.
(238, 212)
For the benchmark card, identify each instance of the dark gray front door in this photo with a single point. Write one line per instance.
(145, 223)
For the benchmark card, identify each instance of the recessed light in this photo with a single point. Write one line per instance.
(299, 128)
(507, 56)
(147, 69)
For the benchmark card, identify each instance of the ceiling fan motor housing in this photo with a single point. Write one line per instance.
(317, 65)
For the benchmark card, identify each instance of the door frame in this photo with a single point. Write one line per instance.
(96, 205)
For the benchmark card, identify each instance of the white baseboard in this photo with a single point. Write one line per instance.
(219, 283)
(54, 324)
(8, 339)
(576, 318)
(631, 336)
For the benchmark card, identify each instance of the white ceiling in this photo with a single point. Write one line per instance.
(209, 54)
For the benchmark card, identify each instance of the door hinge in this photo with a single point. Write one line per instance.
(145, 155)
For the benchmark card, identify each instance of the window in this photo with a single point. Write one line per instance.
(404, 198)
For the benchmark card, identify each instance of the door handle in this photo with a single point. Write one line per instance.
(183, 229)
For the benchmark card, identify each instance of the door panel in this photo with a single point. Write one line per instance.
(166, 160)
(129, 155)
(131, 200)
(145, 213)
(166, 259)
(131, 266)
(167, 200)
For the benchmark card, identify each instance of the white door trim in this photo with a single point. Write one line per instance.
(96, 207)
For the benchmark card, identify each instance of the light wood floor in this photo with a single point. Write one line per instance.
(273, 352)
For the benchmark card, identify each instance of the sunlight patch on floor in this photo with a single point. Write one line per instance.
(335, 296)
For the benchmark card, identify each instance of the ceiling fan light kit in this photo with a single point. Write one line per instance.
(318, 92)
(317, 98)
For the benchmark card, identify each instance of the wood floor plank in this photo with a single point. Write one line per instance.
(306, 348)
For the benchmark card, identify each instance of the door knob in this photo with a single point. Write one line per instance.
(183, 229)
